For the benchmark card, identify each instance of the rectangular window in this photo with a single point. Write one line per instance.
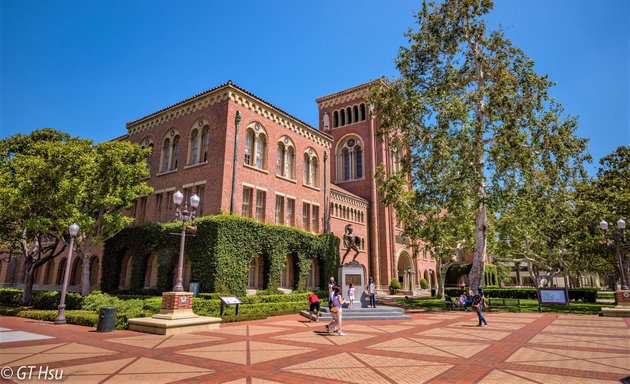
(290, 212)
(315, 215)
(200, 192)
(168, 215)
(279, 210)
(247, 202)
(187, 195)
(261, 197)
(158, 207)
(143, 209)
(306, 216)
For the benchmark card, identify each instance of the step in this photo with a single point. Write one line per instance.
(382, 312)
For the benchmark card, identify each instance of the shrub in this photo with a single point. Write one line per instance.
(10, 297)
(587, 295)
(85, 318)
(424, 284)
(50, 300)
(97, 299)
(394, 285)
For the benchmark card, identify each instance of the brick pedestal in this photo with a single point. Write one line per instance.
(175, 317)
(622, 299)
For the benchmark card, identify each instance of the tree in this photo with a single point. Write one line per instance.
(477, 119)
(113, 174)
(50, 180)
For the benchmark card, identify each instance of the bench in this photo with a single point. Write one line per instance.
(452, 305)
(503, 303)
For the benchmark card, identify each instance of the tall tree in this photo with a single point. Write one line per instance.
(478, 119)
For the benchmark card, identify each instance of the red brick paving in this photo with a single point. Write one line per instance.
(432, 348)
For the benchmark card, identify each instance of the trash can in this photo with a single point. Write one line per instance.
(433, 292)
(106, 319)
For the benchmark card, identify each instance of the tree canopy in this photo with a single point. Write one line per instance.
(477, 120)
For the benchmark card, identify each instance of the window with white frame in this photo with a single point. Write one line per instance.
(290, 212)
(279, 216)
(256, 147)
(246, 210)
(261, 197)
(315, 218)
(306, 216)
(285, 160)
(311, 168)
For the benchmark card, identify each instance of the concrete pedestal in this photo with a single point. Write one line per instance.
(175, 317)
(352, 272)
(622, 298)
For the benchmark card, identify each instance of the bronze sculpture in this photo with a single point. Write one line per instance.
(351, 242)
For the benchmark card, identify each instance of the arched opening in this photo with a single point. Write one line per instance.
(195, 143)
(125, 272)
(48, 275)
(150, 275)
(335, 119)
(61, 271)
(94, 268)
(75, 276)
(405, 271)
(349, 115)
(427, 278)
(256, 273)
(343, 117)
(287, 277)
(314, 275)
(249, 147)
(355, 109)
(362, 112)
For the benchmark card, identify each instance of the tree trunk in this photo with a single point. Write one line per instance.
(441, 277)
(85, 276)
(27, 292)
(476, 272)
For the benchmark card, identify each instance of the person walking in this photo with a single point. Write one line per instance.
(477, 305)
(372, 292)
(313, 302)
(331, 289)
(469, 300)
(350, 295)
(336, 311)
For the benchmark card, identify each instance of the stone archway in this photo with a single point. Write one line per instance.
(405, 271)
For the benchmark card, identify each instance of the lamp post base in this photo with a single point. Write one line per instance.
(61, 315)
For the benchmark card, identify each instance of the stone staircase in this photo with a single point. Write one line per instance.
(381, 312)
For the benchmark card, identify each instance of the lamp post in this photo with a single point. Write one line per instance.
(410, 282)
(61, 316)
(185, 216)
(618, 239)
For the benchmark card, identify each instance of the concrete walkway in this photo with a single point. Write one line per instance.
(431, 348)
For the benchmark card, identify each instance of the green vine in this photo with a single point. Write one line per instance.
(220, 253)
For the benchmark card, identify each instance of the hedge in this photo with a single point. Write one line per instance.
(220, 254)
(12, 297)
(586, 295)
(85, 318)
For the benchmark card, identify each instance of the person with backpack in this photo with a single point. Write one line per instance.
(477, 305)
(336, 313)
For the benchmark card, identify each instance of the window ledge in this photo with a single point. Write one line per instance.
(195, 165)
(255, 168)
(311, 187)
(348, 181)
(166, 172)
(287, 179)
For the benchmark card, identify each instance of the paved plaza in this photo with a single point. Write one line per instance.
(431, 348)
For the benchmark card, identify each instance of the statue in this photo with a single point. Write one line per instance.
(351, 242)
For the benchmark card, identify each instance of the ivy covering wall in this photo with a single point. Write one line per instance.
(220, 254)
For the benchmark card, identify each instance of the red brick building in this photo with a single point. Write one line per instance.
(242, 155)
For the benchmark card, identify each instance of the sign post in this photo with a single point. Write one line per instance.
(229, 300)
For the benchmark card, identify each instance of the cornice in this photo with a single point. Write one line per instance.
(349, 199)
(358, 92)
(240, 96)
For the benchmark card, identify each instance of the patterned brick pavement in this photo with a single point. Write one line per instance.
(432, 348)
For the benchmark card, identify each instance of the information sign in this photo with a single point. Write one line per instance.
(229, 300)
(553, 296)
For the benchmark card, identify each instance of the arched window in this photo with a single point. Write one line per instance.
(49, 273)
(349, 159)
(150, 275)
(313, 275)
(362, 107)
(255, 275)
(175, 153)
(205, 140)
(343, 117)
(195, 142)
(285, 163)
(77, 268)
(335, 119)
(61, 271)
(349, 115)
(125, 272)
(148, 143)
(288, 273)
(355, 109)
(261, 149)
(311, 168)
(166, 154)
(249, 146)
(358, 155)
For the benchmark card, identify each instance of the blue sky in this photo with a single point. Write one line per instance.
(87, 67)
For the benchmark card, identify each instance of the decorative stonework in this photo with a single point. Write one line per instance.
(348, 199)
(239, 96)
(358, 92)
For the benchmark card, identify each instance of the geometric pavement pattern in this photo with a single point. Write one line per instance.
(431, 347)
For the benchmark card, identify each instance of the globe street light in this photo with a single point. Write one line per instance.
(618, 240)
(185, 216)
(61, 316)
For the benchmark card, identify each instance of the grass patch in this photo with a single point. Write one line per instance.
(605, 294)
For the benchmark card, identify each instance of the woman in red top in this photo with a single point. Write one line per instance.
(313, 301)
